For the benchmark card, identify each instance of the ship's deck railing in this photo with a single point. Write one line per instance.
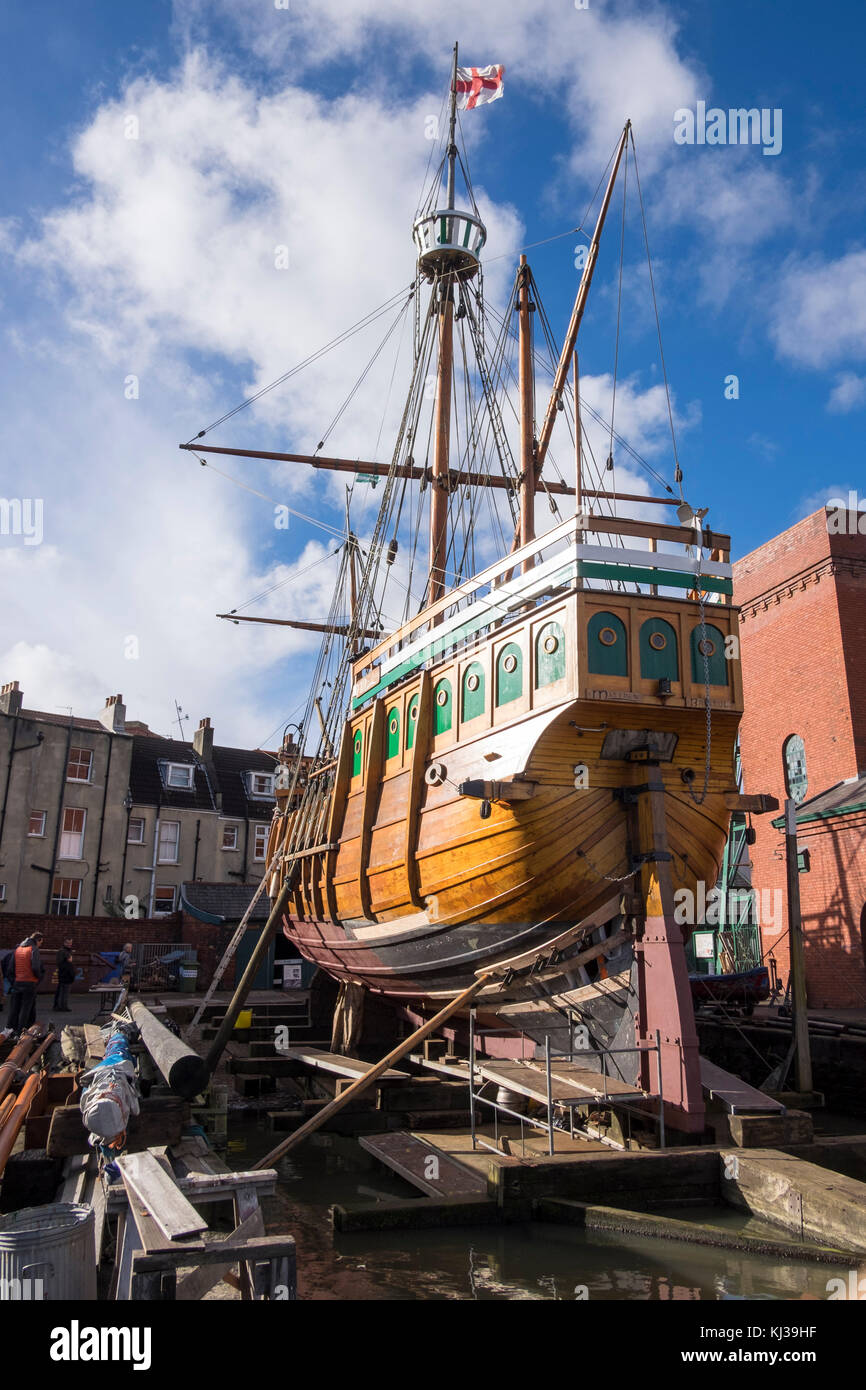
(545, 568)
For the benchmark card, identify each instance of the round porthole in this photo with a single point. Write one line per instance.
(358, 744)
(706, 647)
(510, 663)
(607, 636)
(550, 644)
(413, 712)
(472, 682)
(658, 641)
(392, 727)
(442, 697)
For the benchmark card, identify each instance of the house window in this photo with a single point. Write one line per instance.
(180, 775)
(135, 833)
(163, 900)
(79, 765)
(65, 897)
(37, 823)
(230, 837)
(169, 840)
(72, 835)
(261, 783)
(260, 841)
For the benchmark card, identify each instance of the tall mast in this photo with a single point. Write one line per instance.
(526, 388)
(444, 290)
(561, 375)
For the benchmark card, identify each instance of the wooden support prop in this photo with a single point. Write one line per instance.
(363, 1082)
(184, 1071)
(259, 952)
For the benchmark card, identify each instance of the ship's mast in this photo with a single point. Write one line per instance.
(444, 290)
(526, 388)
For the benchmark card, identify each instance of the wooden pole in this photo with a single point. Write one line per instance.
(798, 964)
(367, 1080)
(578, 440)
(526, 384)
(182, 1069)
(260, 951)
(439, 482)
(577, 312)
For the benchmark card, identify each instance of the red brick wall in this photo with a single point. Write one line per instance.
(109, 934)
(832, 896)
(802, 632)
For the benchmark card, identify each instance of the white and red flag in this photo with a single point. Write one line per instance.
(475, 86)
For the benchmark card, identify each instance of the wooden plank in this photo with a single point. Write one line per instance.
(339, 1065)
(570, 1083)
(336, 813)
(735, 1093)
(370, 802)
(145, 1179)
(201, 1188)
(427, 1168)
(176, 1255)
(417, 765)
(161, 1120)
(758, 804)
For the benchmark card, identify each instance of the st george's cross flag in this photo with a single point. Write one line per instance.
(475, 86)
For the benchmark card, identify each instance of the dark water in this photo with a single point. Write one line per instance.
(532, 1261)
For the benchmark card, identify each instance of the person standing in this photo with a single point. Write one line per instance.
(126, 965)
(65, 976)
(27, 972)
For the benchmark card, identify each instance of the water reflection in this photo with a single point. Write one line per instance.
(524, 1262)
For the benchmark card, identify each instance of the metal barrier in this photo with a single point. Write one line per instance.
(549, 1126)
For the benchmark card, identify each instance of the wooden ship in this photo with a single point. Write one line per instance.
(512, 784)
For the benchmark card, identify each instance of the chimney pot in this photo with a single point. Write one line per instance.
(11, 698)
(202, 740)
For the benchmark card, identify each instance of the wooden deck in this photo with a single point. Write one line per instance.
(571, 1084)
(738, 1095)
(336, 1064)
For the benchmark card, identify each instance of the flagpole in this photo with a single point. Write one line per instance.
(452, 147)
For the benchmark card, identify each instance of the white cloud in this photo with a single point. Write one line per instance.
(848, 394)
(820, 311)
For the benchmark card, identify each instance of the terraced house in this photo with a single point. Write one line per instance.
(102, 817)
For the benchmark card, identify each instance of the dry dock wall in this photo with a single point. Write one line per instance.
(812, 1203)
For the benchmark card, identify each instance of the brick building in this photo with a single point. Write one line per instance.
(803, 646)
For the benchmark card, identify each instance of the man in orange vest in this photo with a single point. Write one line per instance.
(28, 971)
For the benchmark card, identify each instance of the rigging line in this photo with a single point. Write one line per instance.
(391, 385)
(678, 477)
(610, 464)
(299, 366)
(572, 231)
(435, 146)
(283, 582)
(311, 520)
(599, 419)
(363, 377)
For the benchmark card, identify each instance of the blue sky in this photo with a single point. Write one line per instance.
(306, 124)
